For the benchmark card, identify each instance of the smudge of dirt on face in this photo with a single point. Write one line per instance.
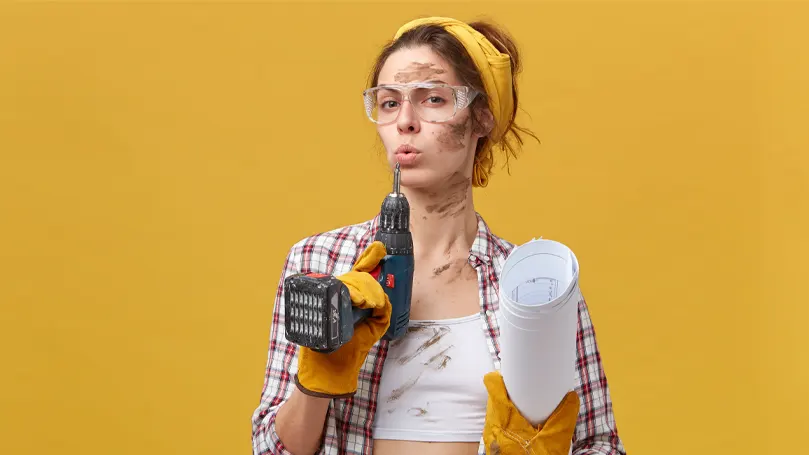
(417, 412)
(438, 333)
(453, 136)
(417, 71)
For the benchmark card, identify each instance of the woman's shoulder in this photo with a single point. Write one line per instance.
(332, 251)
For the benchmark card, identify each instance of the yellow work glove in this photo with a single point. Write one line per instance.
(507, 432)
(335, 375)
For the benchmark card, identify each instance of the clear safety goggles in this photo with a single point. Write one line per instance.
(434, 103)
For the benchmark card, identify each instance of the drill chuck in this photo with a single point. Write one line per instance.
(394, 221)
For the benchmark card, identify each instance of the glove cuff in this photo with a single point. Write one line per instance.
(313, 393)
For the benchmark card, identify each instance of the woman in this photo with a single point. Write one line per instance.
(443, 98)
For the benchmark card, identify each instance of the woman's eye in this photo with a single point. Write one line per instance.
(435, 100)
(390, 104)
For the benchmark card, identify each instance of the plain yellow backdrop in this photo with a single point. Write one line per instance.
(157, 161)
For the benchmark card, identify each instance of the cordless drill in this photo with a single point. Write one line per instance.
(318, 308)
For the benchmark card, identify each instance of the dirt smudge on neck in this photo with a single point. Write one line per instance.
(455, 201)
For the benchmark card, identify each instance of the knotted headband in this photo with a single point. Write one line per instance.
(494, 68)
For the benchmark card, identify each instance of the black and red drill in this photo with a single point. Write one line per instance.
(318, 310)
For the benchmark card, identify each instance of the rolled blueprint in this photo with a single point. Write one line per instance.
(539, 296)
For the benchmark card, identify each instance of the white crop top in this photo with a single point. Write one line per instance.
(432, 383)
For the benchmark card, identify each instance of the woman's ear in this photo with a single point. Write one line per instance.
(484, 122)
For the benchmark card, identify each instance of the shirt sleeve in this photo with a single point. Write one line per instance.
(278, 376)
(596, 430)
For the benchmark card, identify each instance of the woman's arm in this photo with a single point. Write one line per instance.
(596, 430)
(273, 423)
(296, 420)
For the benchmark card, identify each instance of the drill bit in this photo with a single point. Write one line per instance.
(396, 179)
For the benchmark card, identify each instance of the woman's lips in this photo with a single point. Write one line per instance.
(407, 155)
(407, 158)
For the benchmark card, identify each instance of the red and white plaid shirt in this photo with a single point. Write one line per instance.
(349, 423)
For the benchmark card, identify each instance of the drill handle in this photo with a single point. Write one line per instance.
(395, 274)
(361, 313)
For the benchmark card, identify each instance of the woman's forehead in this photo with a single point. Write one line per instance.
(416, 65)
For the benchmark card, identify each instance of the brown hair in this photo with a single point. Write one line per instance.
(451, 50)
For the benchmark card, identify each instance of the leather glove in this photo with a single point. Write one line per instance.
(506, 431)
(335, 375)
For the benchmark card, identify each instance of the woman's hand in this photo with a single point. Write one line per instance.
(335, 375)
(506, 431)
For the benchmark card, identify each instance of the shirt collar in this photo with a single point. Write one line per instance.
(483, 246)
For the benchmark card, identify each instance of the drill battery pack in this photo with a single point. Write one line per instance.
(319, 313)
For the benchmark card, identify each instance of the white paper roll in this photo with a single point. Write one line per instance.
(539, 295)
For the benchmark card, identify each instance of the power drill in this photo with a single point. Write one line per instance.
(319, 313)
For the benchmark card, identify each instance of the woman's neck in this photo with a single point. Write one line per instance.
(443, 221)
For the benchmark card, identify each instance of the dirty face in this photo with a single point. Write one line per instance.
(444, 151)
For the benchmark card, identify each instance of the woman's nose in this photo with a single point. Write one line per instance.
(408, 121)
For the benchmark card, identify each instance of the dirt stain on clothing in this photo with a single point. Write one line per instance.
(438, 333)
(441, 359)
(411, 329)
(399, 391)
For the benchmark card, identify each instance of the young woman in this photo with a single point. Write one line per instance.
(443, 99)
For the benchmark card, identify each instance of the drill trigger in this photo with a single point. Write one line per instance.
(376, 272)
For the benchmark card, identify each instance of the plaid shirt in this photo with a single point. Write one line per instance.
(349, 423)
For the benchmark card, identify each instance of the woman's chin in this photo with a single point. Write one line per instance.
(417, 178)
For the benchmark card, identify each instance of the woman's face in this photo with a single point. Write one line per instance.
(442, 153)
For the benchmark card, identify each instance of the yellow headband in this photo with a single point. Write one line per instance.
(494, 68)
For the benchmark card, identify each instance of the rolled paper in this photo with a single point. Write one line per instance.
(538, 315)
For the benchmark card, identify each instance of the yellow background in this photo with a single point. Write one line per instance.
(157, 161)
